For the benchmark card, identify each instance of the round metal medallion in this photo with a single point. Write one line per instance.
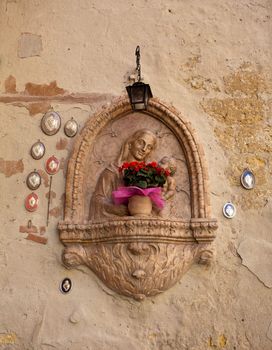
(229, 210)
(71, 128)
(37, 150)
(66, 285)
(50, 123)
(31, 202)
(248, 179)
(52, 165)
(33, 180)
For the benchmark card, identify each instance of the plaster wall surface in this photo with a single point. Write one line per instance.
(212, 61)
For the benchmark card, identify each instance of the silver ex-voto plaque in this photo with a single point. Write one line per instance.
(247, 179)
(33, 180)
(51, 123)
(229, 210)
(32, 202)
(66, 285)
(52, 165)
(37, 150)
(71, 128)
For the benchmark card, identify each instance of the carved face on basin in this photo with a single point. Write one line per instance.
(142, 145)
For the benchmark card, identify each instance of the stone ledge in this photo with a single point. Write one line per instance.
(130, 229)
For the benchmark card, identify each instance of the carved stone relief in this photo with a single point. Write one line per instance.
(143, 254)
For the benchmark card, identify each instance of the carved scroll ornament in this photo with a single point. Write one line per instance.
(137, 254)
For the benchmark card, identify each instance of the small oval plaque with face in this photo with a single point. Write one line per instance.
(66, 285)
(229, 210)
(31, 202)
(50, 123)
(52, 165)
(33, 180)
(37, 150)
(248, 179)
(71, 128)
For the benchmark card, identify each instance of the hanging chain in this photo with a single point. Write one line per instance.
(138, 65)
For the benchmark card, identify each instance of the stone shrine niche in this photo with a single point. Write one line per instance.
(144, 253)
(106, 150)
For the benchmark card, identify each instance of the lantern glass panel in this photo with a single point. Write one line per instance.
(138, 94)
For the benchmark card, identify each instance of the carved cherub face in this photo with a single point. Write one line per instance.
(142, 146)
(169, 163)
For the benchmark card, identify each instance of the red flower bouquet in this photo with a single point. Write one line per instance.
(141, 179)
(144, 175)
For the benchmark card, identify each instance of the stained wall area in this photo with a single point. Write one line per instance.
(212, 61)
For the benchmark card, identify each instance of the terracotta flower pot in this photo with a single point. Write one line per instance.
(140, 205)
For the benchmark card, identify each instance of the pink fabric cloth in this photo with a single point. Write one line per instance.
(122, 195)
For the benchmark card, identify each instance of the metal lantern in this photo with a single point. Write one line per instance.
(139, 93)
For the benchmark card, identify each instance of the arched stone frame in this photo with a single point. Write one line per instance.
(200, 204)
(138, 256)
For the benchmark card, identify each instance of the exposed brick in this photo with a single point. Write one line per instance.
(52, 195)
(37, 239)
(56, 212)
(89, 99)
(61, 144)
(10, 85)
(26, 229)
(39, 107)
(42, 230)
(11, 167)
(44, 89)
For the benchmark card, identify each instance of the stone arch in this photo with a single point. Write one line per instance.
(200, 205)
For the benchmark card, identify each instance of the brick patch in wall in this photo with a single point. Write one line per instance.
(37, 239)
(52, 195)
(61, 144)
(42, 230)
(26, 229)
(50, 89)
(10, 85)
(11, 167)
(32, 229)
(38, 107)
(56, 212)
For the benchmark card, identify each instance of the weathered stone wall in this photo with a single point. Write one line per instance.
(212, 60)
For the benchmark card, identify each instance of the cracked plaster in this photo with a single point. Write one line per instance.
(257, 257)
